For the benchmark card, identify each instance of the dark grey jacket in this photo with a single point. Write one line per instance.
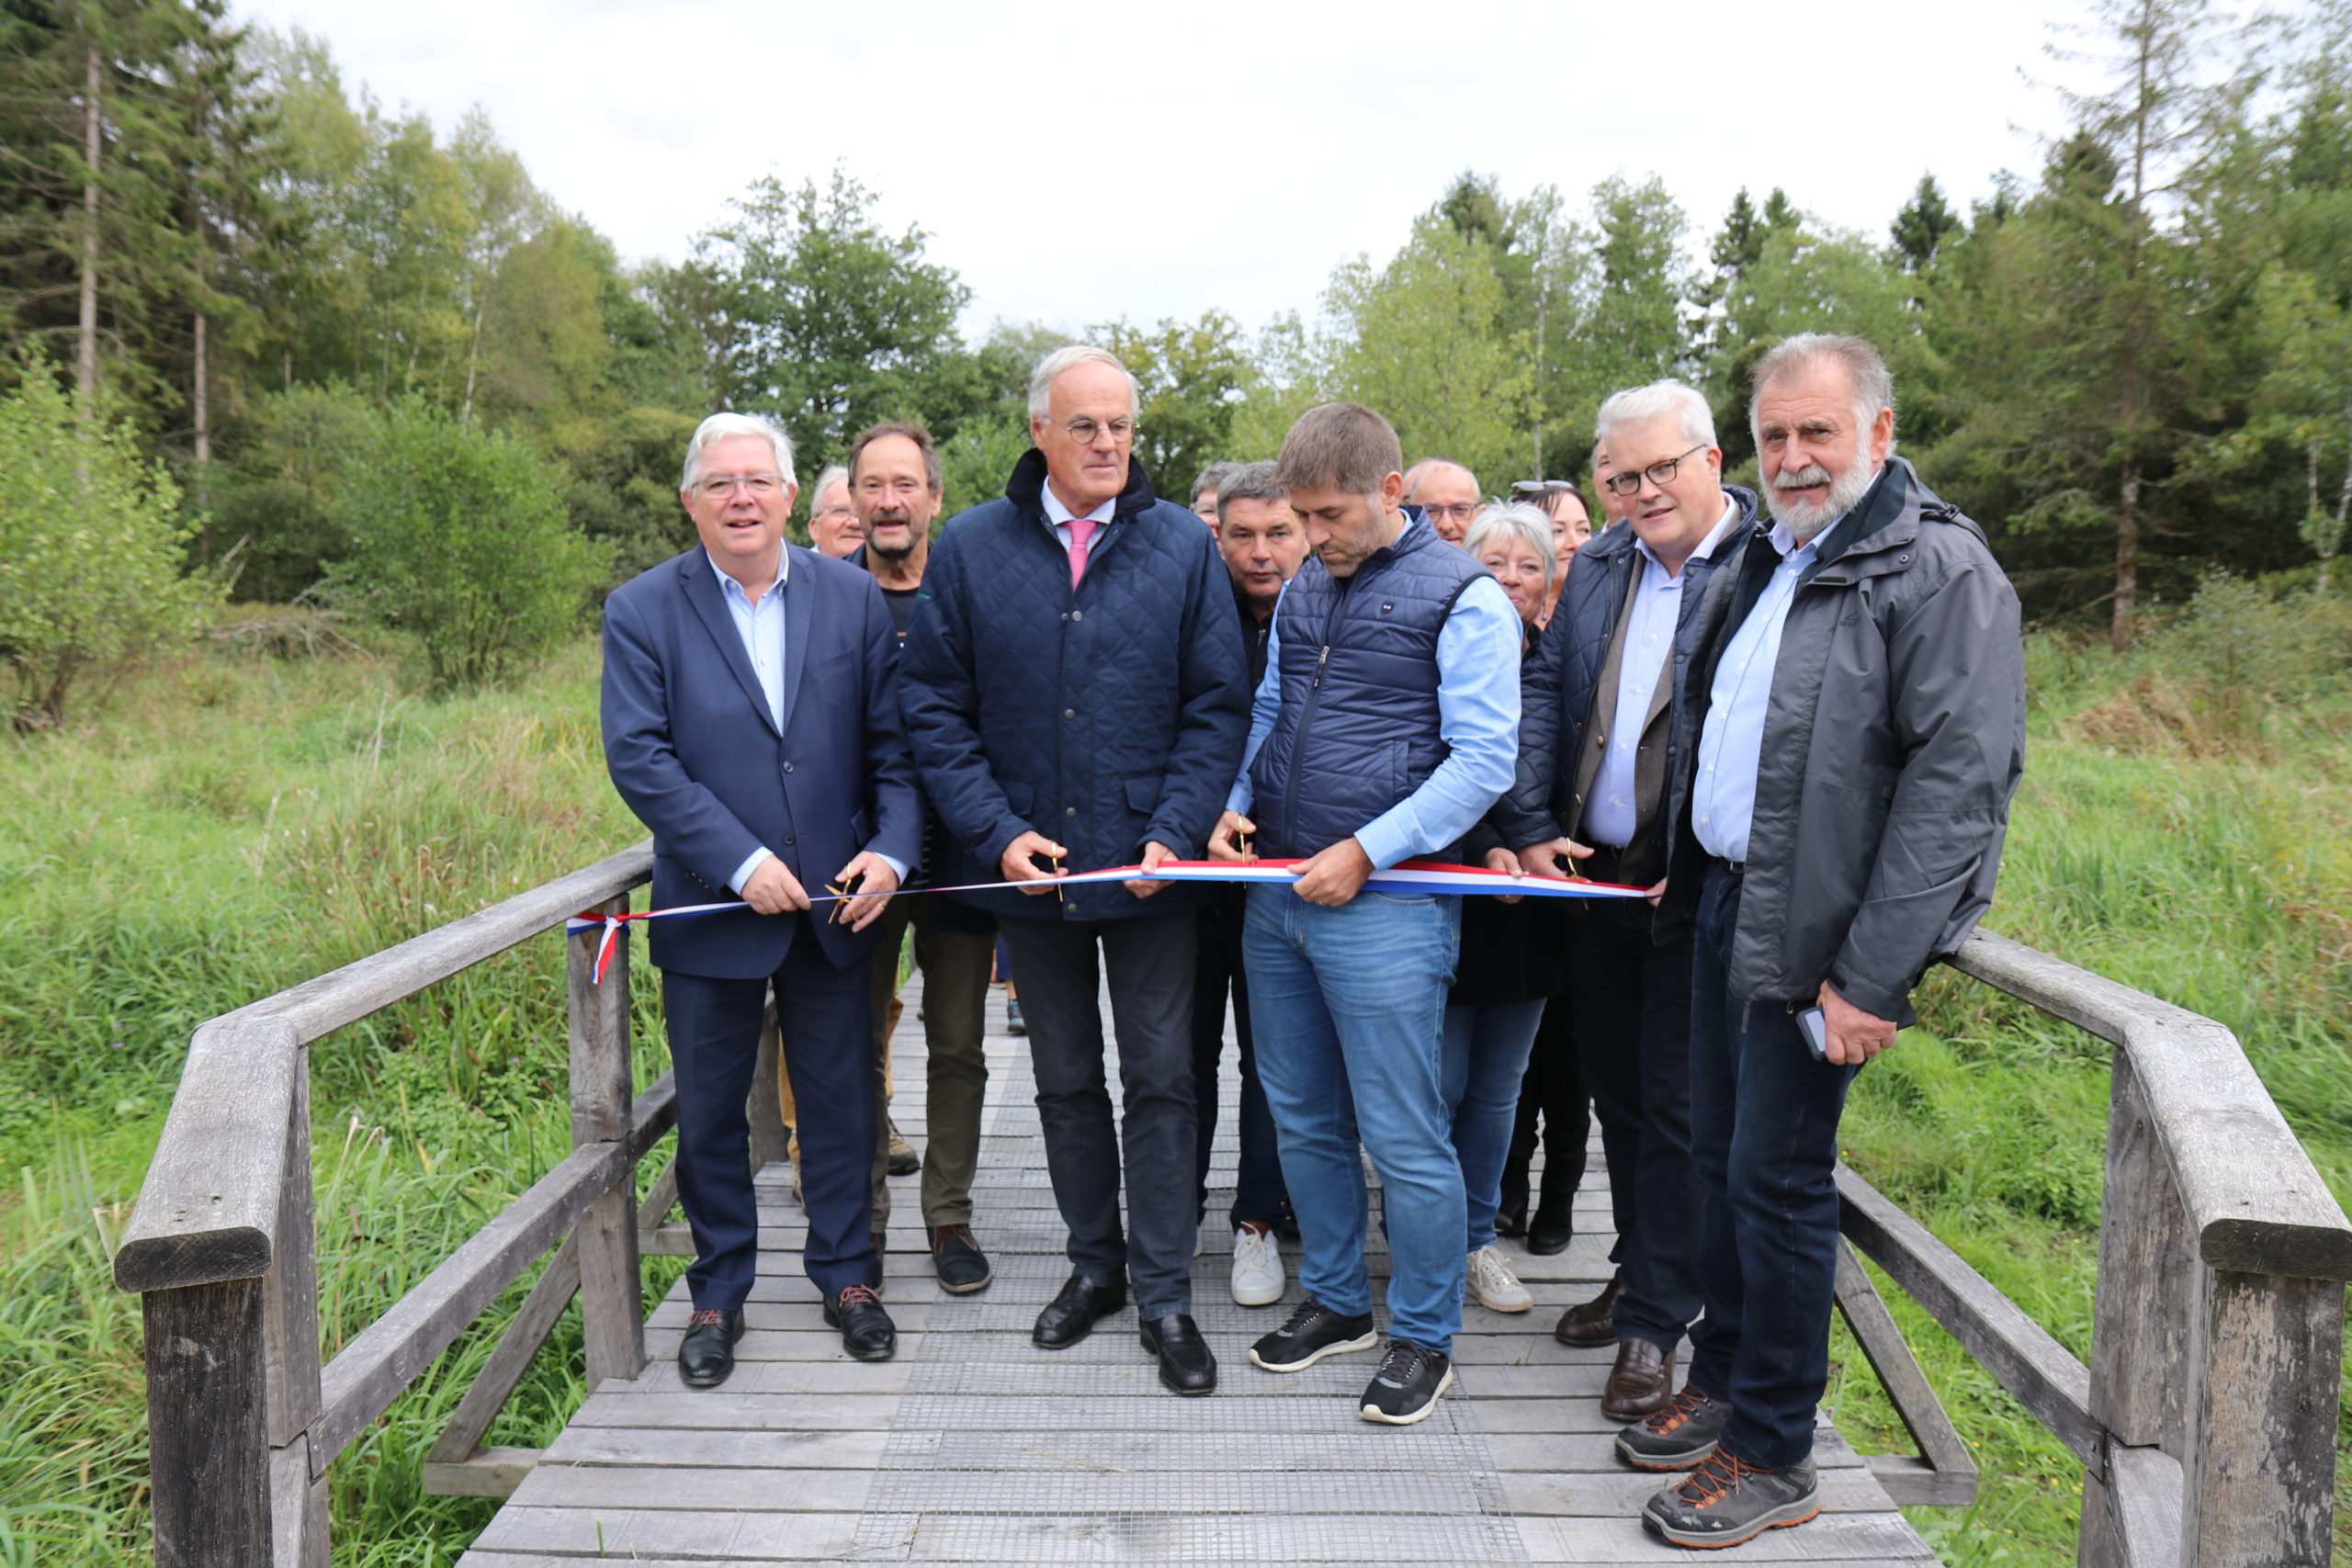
(1892, 747)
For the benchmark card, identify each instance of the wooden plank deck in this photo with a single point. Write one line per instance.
(974, 1447)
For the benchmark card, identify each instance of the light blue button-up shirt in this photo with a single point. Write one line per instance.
(1731, 746)
(1609, 815)
(760, 623)
(1477, 706)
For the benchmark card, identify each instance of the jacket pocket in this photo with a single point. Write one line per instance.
(1021, 798)
(1143, 795)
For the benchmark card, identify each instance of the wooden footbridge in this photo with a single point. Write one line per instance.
(2206, 1420)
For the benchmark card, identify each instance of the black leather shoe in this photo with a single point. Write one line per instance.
(867, 1332)
(1551, 1230)
(707, 1352)
(1185, 1365)
(1512, 1218)
(1069, 1317)
(962, 1266)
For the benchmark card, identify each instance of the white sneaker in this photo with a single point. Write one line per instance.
(1491, 1281)
(1258, 1277)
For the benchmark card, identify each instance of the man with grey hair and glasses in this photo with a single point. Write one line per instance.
(1850, 723)
(750, 723)
(1594, 755)
(1447, 493)
(1075, 694)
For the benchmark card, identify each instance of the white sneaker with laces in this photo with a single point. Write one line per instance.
(1491, 1281)
(1258, 1277)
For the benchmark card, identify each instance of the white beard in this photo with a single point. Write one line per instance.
(1806, 519)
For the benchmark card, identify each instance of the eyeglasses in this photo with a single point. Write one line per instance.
(1660, 474)
(1084, 431)
(1457, 512)
(757, 486)
(1533, 487)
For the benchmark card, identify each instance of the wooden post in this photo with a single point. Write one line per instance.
(612, 1289)
(290, 1336)
(2151, 1290)
(207, 1424)
(2259, 1487)
(769, 1141)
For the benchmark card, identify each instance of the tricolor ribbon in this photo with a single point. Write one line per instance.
(1406, 876)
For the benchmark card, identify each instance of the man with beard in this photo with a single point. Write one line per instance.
(1074, 666)
(895, 487)
(1263, 546)
(1851, 725)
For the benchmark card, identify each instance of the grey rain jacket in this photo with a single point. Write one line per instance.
(1893, 744)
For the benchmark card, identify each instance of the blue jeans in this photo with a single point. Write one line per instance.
(1486, 1047)
(1349, 1006)
(1764, 1131)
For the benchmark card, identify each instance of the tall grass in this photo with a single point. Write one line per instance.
(232, 826)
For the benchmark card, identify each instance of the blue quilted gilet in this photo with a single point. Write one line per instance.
(1358, 732)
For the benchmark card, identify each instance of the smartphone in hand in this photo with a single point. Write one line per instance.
(1815, 1030)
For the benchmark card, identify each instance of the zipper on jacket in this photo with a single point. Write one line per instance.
(1298, 736)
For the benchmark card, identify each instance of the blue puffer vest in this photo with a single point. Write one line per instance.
(1358, 732)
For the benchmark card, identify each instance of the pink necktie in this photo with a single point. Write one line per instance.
(1081, 529)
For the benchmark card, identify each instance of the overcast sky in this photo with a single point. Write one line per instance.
(1078, 162)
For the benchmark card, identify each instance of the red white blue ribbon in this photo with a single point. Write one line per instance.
(1406, 876)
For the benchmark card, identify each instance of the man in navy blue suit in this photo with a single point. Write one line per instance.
(751, 723)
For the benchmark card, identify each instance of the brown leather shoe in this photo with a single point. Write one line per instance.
(1590, 1325)
(1639, 1383)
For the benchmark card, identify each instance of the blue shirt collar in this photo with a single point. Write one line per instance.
(732, 589)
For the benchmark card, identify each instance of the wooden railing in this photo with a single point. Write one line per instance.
(2206, 1422)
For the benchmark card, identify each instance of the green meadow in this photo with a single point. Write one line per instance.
(223, 827)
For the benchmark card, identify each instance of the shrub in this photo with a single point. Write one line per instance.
(91, 553)
(459, 537)
(270, 507)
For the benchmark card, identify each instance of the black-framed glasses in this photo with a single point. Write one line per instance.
(1660, 473)
(1083, 430)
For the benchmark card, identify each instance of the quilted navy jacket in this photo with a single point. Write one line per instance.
(1102, 717)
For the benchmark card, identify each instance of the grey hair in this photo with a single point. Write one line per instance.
(1248, 481)
(1420, 473)
(1050, 370)
(1865, 369)
(1212, 477)
(1522, 522)
(725, 426)
(835, 474)
(1637, 404)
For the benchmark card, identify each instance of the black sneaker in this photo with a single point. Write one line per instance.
(1678, 1435)
(1406, 1388)
(1727, 1500)
(1312, 1331)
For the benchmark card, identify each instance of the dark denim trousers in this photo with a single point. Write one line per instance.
(1764, 1129)
(1149, 958)
(1258, 1192)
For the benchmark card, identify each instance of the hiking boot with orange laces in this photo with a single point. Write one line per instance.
(1678, 1435)
(1727, 1500)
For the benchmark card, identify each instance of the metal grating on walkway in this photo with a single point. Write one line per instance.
(974, 1447)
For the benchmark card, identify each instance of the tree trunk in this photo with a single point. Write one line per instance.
(2127, 559)
(200, 406)
(85, 356)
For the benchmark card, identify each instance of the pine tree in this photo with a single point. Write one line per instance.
(1920, 230)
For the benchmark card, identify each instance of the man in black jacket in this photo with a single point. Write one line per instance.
(1852, 721)
(1264, 547)
(1586, 800)
(1075, 666)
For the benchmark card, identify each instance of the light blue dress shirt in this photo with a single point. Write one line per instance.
(760, 625)
(1477, 706)
(1058, 517)
(1610, 816)
(1731, 746)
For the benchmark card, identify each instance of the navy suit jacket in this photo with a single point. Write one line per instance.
(691, 746)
